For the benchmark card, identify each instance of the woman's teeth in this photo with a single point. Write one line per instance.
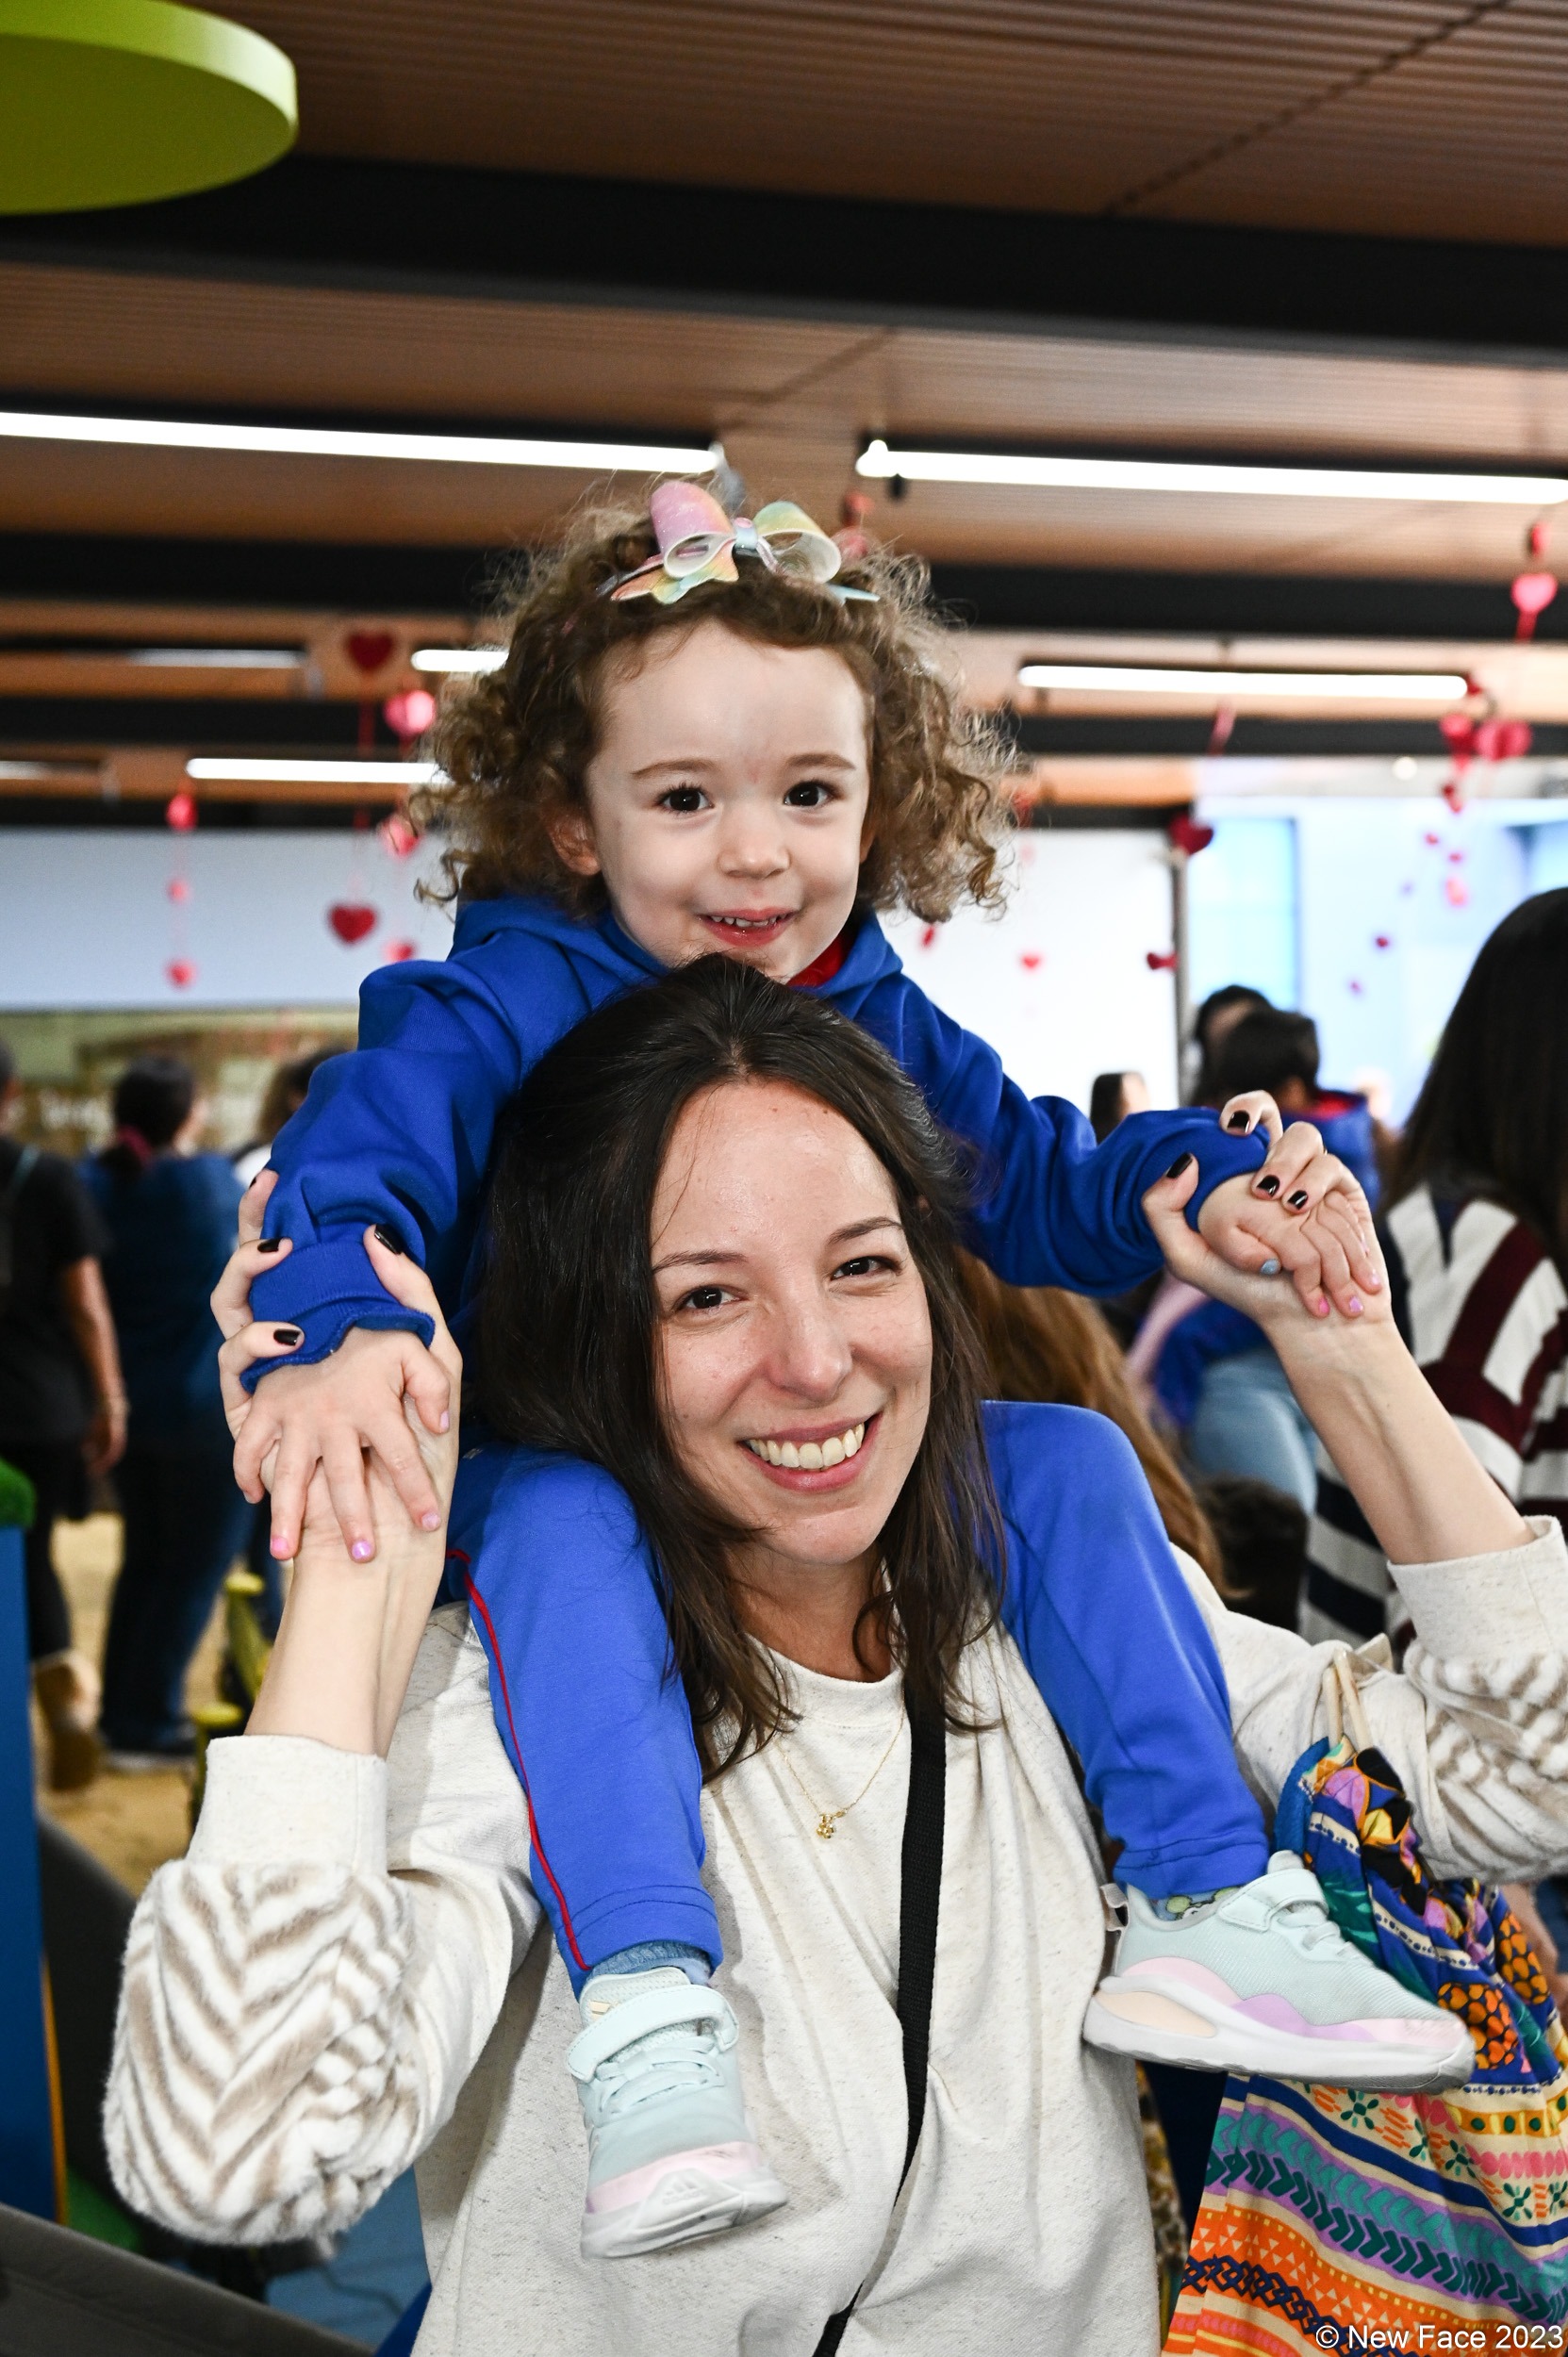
(810, 1456)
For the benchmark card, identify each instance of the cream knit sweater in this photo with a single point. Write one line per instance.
(343, 1977)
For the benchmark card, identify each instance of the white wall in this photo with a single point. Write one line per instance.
(1061, 984)
(86, 919)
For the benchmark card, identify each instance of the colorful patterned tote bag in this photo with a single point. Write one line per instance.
(1333, 2219)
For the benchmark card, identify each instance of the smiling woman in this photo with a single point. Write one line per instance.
(721, 1218)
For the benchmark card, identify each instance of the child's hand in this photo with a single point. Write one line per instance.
(330, 1413)
(1282, 1214)
(1344, 1236)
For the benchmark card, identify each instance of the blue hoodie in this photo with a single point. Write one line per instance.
(400, 1132)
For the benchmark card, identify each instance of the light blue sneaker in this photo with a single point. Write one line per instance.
(1263, 1979)
(671, 2153)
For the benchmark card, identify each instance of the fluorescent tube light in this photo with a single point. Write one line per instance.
(880, 463)
(1382, 687)
(310, 441)
(457, 658)
(264, 769)
(208, 658)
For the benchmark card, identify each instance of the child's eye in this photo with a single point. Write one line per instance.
(683, 799)
(811, 794)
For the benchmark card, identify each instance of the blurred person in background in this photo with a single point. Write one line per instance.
(171, 1215)
(1211, 1024)
(1112, 1097)
(63, 1407)
(286, 1093)
(1475, 1224)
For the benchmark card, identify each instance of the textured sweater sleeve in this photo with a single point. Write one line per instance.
(306, 1991)
(1476, 1727)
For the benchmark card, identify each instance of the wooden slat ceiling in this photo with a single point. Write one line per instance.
(791, 400)
(1427, 118)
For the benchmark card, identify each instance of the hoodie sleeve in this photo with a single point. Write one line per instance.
(1049, 1205)
(399, 1133)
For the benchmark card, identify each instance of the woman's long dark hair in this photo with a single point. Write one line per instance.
(1493, 1115)
(568, 1330)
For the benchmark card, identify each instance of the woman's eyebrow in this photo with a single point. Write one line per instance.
(865, 1227)
(697, 1260)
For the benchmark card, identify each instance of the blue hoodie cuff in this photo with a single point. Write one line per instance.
(328, 1288)
(1220, 1157)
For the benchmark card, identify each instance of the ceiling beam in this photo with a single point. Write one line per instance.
(528, 237)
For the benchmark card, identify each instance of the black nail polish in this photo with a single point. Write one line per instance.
(1299, 1201)
(1269, 1185)
(288, 1335)
(269, 1243)
(1237, 1121)
(1179, 1166)
(384, 1236)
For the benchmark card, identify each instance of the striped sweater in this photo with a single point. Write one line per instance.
(1485, 1311)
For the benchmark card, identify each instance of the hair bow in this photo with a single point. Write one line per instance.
(699, 542)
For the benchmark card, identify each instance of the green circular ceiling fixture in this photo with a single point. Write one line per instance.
(119, 102)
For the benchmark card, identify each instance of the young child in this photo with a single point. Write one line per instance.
(712, 735)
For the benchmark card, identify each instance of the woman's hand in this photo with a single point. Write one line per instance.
(1302, 1210)
(1427, 1497)
(350, 1630)
(1349, 1260)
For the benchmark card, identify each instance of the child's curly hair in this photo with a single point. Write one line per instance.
(515, 742)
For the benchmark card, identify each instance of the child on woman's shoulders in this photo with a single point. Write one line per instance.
(737, 736)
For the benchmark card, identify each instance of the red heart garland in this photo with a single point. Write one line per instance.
(180, 972)
(1187, 835)
(179, 811)
(369, 649)
(399, 951)
(1030, 959)
(1532, 593)
(409, 714)
(1160, 961)
(396, 836)
(351, 920)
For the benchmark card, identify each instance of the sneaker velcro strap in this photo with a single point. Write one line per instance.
(1285, 1886)
(637, 2016)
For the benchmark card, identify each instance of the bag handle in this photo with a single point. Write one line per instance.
(920, 1905)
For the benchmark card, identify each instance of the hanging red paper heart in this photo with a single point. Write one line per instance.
(1030, 959)
(396, 836)
(179, 811)
(1356, 989)
(1187, 835)
(178, 890)
(1454, 891)
(351, 920)
(1381, 941)
(1532, 593)
(928, 938)
(1160, 961)
(1453, 794)
(398, 952)
(409, 714)
(369, 649)
(180, 972)
(1502, 740)
(1459, 731)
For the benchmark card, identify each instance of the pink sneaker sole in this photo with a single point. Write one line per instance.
(678, 2200)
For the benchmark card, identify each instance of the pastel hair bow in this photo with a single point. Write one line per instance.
(699, 542)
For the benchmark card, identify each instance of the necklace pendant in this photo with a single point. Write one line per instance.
(825, 1827)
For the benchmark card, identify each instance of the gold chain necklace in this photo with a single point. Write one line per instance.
(827, 1819)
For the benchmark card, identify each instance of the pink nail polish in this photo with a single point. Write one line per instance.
(361, 1550)
(281, 1548)
(430, 1522)
(1354, 1307)
(446, 1421)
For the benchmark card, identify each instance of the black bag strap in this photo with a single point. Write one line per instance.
(919, 1904)
(8, 1193)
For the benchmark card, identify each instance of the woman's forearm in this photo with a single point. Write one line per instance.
(1428, 1499)
(346, 1644)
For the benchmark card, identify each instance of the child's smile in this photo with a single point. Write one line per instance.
(727, 801)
